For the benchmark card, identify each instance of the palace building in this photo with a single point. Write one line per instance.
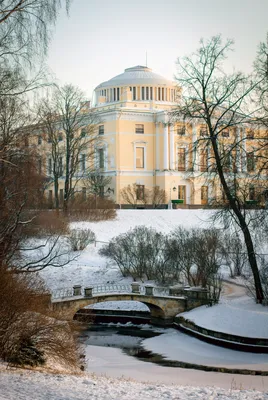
(140, 145)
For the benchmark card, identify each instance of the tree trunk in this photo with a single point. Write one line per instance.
(242, 223)
(67, 176)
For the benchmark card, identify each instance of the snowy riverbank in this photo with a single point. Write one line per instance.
(27, 385)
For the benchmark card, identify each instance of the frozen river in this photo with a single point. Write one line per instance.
(109, 352)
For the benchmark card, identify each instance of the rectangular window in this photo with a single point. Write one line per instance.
(233, 160)
(250, 134)
(50, 198)
(204, 194)
(61, 196)
(139, 157)
(114, 94)
(83, 162)
(101, 130)
(101, 191)
(60, 166)
(203, 131)
(84, 132)
(225, 134)
(140, 192)
(134, 93)
(159, 94)
(142, 93)
(181, 160)
(49, 167)
(39, 140)
(227, 161)
(84, 193)
(151, 93)
(139, 128)
(251, 193)
(163, 94)
(250, 162)
(60, 138)
(49, 140)
(118, 94)
(181, 130)
(204, 160)
(147, 93)
(101, 158)
(181, 192)
(40, 165)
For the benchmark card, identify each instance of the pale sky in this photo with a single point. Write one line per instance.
(101, 38)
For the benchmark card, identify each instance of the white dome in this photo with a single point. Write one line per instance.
(138, 75)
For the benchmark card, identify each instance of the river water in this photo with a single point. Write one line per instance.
(147, 353)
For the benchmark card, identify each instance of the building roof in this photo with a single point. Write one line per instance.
(138, 75)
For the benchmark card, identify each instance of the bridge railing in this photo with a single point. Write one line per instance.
(78, 290)
(62, 293)
(111, 289)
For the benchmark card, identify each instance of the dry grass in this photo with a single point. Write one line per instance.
(93, 209)
(46, 223)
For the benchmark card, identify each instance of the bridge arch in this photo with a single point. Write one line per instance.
(155, 310)
(161, 308)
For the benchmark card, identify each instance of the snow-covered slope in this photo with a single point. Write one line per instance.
(19, 385)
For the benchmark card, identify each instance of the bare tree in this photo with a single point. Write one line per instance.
(25, 28)
(221, 103)
(135, 195)
(22, 194)
(95, 182)
(140, 253)
(48, 131)
(69, 126)
(195, 254)
(234, 253)
(158, 197)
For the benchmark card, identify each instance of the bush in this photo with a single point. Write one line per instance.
(140, 253)
(48, 222)
(184, 255)
(91, 209)
(29, 333)
(79, 239)
(25, 353)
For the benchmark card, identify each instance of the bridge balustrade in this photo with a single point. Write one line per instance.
(88, 291)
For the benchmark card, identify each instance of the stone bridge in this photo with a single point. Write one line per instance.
(164, 303)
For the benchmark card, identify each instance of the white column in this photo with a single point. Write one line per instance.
(244, 150)
(238, 160)
(157, 145)
(166, 146)
(171, 147)
(195, 149)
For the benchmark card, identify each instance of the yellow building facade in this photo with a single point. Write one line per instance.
(141, 145)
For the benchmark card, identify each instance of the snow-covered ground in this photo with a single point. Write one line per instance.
(234, 315)
(152, 381)
(238, 316)
(27, 385)
(91, 269)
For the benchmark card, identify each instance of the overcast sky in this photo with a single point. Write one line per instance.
(101, 38)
